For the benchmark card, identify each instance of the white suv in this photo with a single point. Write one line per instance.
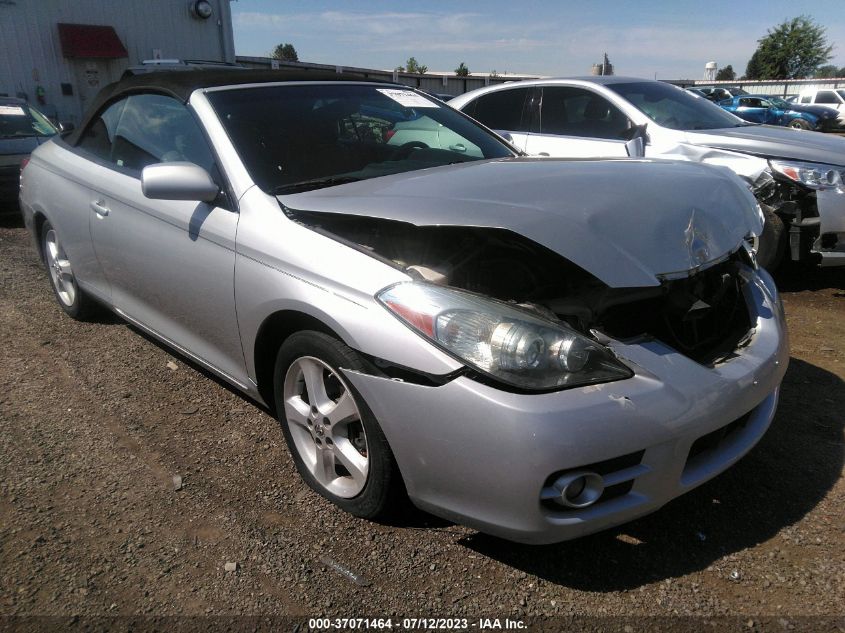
(796, 175)
(833, 98)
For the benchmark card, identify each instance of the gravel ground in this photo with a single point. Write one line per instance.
(96, 421)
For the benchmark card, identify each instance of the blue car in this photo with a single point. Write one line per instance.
(776, 111)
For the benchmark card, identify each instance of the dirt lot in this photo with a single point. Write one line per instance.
(94, 425)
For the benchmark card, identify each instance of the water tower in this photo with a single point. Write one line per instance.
(710, 71)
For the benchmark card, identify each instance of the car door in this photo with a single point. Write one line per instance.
(579, 123)
(751, 109)
(170, 263)
(507, 112)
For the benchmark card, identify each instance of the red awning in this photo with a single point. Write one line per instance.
(90, 41)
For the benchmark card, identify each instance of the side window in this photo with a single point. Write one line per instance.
(98, 137)
(158, 129)
(807, 99)
(826, 96)
(502, 110)
(579, 112)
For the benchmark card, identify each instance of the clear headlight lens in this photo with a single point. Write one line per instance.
(812, 175)
(509, 344)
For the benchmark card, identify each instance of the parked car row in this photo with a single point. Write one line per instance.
(797, 177)
(535, 347)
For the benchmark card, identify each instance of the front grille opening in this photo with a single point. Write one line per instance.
(704, 317)
(707, 444)
(603, 468)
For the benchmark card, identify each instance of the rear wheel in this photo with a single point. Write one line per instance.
(334, 439)
(800, 124)
(71, 298)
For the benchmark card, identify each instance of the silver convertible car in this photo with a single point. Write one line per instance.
(538, 349)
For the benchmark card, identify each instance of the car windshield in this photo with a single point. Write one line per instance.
(841, 93)
(300, 137)
(674, 108)
(20, 120)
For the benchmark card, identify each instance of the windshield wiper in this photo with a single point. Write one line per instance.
(314, 183)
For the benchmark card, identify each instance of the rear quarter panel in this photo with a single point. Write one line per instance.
(55, 186)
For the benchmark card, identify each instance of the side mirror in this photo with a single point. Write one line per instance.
(636, 145)
(178, 181)
(507, 136)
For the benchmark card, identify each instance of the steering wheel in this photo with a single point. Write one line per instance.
(404, 150)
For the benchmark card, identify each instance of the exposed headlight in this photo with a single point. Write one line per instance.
(812, 175)
(504, 342)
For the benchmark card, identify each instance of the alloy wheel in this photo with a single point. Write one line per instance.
(326, 427)
(61, 272)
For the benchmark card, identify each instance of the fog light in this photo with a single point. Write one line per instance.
(579, 489)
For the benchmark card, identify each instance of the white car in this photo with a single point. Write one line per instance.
(832, 98)
(797, 176)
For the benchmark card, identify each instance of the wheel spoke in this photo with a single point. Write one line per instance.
(351, 459)
(325, 468)
(296, 410)
(64, 266)
(313, 374)
(344, 410)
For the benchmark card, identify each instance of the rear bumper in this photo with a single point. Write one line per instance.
(482, 457)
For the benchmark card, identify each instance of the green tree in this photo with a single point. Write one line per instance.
(399, 69)
(828, 71)
(285, 52)
(462, 70)
(792, 50)
(726, 74)
(412, 66)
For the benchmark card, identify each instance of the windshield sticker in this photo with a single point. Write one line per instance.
(11, 111)
(407, 98)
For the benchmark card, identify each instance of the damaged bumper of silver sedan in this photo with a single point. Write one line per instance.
(540, 468)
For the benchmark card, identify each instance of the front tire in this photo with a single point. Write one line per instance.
(70, 297)
(333, 437)
(800, 124)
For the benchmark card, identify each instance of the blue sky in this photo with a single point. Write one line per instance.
(673, 39)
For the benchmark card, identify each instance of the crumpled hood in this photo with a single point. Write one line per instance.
(775, 142)
(628, 222)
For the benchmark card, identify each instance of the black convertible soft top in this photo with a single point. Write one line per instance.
(180, 85)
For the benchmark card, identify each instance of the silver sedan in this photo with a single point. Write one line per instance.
(536, 349)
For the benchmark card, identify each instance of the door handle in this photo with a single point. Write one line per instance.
(99, 207)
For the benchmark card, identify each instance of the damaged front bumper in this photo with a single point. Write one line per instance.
(485, 457)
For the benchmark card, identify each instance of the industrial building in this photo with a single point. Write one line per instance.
(58, 54)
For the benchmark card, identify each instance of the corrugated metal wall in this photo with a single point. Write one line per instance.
(31, 55)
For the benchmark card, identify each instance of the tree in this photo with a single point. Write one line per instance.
(412, 66)
(726, 74)
(793, 50)
(285, 52)
(828, 71)
(399, 69)
(462, 70)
